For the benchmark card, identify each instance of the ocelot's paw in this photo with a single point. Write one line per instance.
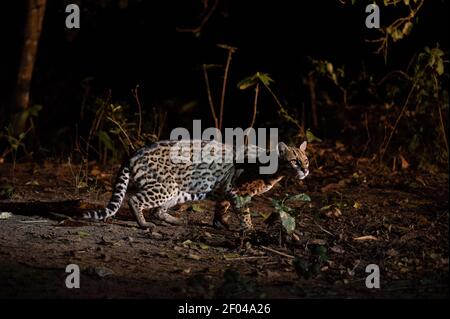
(164, 216)
(246, 236)
(220, 224)
(147, 225)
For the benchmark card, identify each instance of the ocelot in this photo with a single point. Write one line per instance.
(167, 173)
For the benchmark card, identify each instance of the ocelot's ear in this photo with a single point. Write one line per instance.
(303, 146)
(282, 149)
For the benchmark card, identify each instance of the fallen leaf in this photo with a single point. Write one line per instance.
(357, 205)
(95, 172)
(392, 252)
(300, 197)
(333, 213)
(83, 234)
(194, 256)
(404, 162)
(368, 237)
(33, 183)
(320, 242)
(187, 243)
(337, 249)
(287, 221)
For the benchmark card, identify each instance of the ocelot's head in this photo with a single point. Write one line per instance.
(293, 159)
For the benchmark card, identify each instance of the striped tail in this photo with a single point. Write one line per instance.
(117, 196)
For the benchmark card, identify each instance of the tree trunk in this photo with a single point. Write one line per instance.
(32, 32)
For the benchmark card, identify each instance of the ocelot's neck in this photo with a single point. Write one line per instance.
(255, 160)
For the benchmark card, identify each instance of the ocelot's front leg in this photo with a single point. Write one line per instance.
(250, 189)
(243, 213)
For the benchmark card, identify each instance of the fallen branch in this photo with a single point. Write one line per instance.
(277, 252)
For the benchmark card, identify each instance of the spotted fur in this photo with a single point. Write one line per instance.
(166, 176)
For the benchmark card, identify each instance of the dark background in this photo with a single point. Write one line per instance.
(124, 43)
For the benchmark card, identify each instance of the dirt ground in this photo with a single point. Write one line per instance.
(359, 214)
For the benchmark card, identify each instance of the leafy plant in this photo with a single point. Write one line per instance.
(286, 212)
(16, 140)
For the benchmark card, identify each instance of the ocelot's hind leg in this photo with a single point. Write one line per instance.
(137, 206)
(221, 215)
(150, 197)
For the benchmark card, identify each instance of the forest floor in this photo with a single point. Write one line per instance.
(359, 214)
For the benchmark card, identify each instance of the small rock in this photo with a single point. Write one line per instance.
(5, 215)
(103, 271)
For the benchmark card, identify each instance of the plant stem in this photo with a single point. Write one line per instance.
(255, 105)
(444, 135)
(123, 131)
(210, 100)
(225, 78)
(383, 151)
(136, 96)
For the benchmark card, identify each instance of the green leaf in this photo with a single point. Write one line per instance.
(247, 82)
(440, 67)
(300, 197)
(321, 251)
(264, 215)
(197, 208)
(106, 140)
(264, 78)
(35, 109)
(407, 28)
(301, 267)
(6, 191)
(83, 234)
(241, 201)
(310, 137)
(287, 221)
(276, 204)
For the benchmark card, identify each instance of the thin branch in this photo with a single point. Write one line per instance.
(282, 110)
(203, 22)
(398, 119)
(324, 230)
(277, 252)
(392, 73)
(136, 96)
(123, 131)
(444, 135)
(225, 78)
(210, 100)
(312, 92)
(255, 105)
